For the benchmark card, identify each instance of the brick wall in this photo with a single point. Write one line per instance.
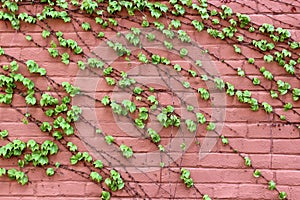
(272, 145)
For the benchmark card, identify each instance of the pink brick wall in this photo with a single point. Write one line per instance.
(272, 145)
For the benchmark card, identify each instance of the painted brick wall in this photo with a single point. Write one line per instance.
(272, 145)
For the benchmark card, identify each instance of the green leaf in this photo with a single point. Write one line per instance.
(28, 37)
(204, 93)
(206, 197)
(50, 172)
(257, 173)
(200, 118)
(251, 60)
(98, 164)
(3, 134)
(109, 139)
(282, 195)
(1, 51)
(46, 127)
(72, 147)
(45, 34)
(255, 81)
(110, 81)
(105, 100)
(224, 140)
(105, 195)
(186, 84)
(211, 126)
(240, 72)
(237, 49)
(287, 106)
(248, 162)
(86, 26)
(191, 125)
(185, 176)
(95, 176)
(183, 52)
(267, 107)
(126, 151)
(2, 171)
(272, 185)
(139, 123)
(268, 58)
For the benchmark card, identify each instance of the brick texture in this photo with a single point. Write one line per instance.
(272, 145)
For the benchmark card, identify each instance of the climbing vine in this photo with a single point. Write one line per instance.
(170, 22)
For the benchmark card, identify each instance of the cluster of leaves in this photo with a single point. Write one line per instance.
(186, 177)
(168, 117)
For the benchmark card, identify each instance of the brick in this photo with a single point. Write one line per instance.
(228, 191)
(73, 189)
(290, 177)
(246, 115)
(295, 192)
(260, 19)
(285, 131)
(92, 190)
(285, 162)
(286, 146)
(250, 145)
(273, 6)
(17, 189)
(5, 188)
(48, 189)
(251, 191)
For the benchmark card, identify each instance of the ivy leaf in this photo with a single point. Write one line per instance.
(105, 195)
(126, 151)
(109, 139)
(30, 99)
(206, 197)
(105, 100)
(98, 164)
(191, 125)
(86, 26)
(50, 172)
(267, 107)
(247, 161)
(95, 176)
(72, 147)
(45, 34)
(224, 140)
(211, 126)
(2, 171)
(282, 195)
(200, 118)
(3, 134)
(272, 185)
(204, 93)
(257, 173)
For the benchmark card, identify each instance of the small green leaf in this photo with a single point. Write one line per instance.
(247, 161)
(272, 185)
(50, 172)
(28, 37)
(95, 176)
(257, 173)
(282, 195)
(109, 139)
(98, 164)
(126, 151)
(3, 134)
(211, 126)
(224, 140)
